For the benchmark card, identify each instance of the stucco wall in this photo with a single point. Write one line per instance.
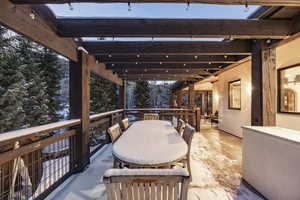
(287, 55)
(232, 120)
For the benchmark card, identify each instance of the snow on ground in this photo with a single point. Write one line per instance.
(214, 176)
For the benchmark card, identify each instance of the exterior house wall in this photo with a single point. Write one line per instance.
(287, 55)
(232, 120)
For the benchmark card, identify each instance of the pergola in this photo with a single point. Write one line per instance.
(181, 60)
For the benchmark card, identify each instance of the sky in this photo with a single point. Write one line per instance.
(152, 10)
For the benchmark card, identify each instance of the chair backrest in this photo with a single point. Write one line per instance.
(124, 124)
(151, 116)
(146, 184)
(188, 134)
(180, 126)
(114, 132)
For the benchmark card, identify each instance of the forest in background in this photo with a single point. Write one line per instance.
(34, 86)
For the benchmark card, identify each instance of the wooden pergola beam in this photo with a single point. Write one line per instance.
(197, 28)
(18, 19)
(239, 47)
(166, 72)
(163, 66)
(224, 2)
(154, 59)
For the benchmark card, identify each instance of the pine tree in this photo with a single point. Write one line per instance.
(49, 62)
(102, 95)
(12, 86)
(142, 95)
(36, 100)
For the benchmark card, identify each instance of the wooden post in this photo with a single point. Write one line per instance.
(269, 86)
(192, 120)
(79, 108)
(179, 99)
(257, 85)
(122, 97)
(198, 119)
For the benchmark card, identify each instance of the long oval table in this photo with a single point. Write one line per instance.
(150, 143)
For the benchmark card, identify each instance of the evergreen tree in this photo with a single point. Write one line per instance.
(36, 100)
(52, 71)
(142, 95)
(102, 94)
(12, 86)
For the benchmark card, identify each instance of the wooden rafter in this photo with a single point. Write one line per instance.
(154, 59)
(240, 47)
(224, 2)
(197, 28)
(163, 66)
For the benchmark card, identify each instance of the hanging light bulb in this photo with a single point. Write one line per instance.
(225, 56)
(167, 71)
(129, 6)
(112, 64)
(70, 7)
(138, 55)
(109, 55)
(160, 63)
(126, 70)
(195, 57)
(209, 63)
(167, 56)
(97, 61)
(136, 63)
(246, 7)
(187, 6)
(32, 15)
(184, 64)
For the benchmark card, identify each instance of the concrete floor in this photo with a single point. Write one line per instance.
(216, 169)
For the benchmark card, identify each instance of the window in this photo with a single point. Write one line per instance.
(289, 89)
(234, 97)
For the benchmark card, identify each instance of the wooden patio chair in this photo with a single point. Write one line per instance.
(114, 132)
(180, 126)
(146, 184)
(151, 116)
(124, 124)
(187, 135)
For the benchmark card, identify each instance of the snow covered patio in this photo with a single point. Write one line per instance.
(216, 168)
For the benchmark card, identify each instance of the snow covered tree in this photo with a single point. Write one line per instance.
(142, 95)
(35, 102)
(52, 72)
(102, 94)
(12, 86)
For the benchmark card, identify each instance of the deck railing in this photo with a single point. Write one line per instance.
(189, 115)
(35, 161)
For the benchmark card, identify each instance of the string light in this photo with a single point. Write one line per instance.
(129, 6)
(70, 7)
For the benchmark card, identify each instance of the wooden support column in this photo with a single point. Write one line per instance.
(80, 108)
(257, 84)
(122, 96)
(269, 86)
(192, 119)
(179, 99)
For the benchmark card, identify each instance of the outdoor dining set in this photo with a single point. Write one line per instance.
(151, 160)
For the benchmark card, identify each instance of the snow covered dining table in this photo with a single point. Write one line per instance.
(150, 143)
